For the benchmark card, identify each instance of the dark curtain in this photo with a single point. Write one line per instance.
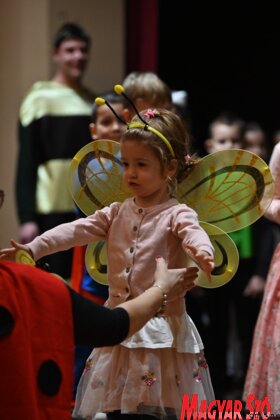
(142, 21)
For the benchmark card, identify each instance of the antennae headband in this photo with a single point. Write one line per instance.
(136, 124)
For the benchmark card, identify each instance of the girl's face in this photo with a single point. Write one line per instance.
(143, 174)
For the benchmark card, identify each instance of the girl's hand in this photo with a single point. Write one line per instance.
(10, 253)
(202, 259)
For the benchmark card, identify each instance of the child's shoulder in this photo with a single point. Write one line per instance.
(181, 209)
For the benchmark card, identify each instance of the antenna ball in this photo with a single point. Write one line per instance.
(119, 89)
(99, 101)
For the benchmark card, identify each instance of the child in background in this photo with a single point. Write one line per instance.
(231, 311)
(226, 132)
(146, 90)
(149, 373)
(104, 125)
(255, 140)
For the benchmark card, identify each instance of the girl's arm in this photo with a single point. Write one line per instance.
(195, 240)
(67, 235)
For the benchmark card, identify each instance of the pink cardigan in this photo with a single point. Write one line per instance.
(135, 237)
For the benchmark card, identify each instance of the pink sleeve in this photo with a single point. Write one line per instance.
(78, 233)
(189, 230)
(273, 211)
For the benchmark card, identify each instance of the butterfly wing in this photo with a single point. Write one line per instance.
(95, 176)
(96, 261)
(230, 189)
(226, 258)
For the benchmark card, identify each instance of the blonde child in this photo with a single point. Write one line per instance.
(146, 90)
(149, 373)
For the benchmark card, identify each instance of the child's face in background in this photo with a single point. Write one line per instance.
(107, 126)
(255, 142)
(224, 137)
(143, 174)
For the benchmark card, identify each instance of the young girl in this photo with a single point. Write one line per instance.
(149, 373)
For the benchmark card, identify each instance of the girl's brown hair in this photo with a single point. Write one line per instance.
(170, 126)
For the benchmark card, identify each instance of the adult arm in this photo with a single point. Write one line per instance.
(99, 326)
(96, 325)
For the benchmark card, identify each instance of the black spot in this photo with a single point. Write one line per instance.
(7, 322)
(49, 378)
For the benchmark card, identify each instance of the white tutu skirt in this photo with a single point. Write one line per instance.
(145, 380)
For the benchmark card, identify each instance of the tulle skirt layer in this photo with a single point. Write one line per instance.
(141, 381)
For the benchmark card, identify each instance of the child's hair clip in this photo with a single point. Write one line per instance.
(151, 113)
(190, 161)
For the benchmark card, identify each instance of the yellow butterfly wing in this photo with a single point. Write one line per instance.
(230, 189)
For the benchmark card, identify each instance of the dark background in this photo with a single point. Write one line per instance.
(226, 56)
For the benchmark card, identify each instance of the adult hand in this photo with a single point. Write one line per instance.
(174, 282)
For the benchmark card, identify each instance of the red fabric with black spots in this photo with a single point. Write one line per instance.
(36, 344)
